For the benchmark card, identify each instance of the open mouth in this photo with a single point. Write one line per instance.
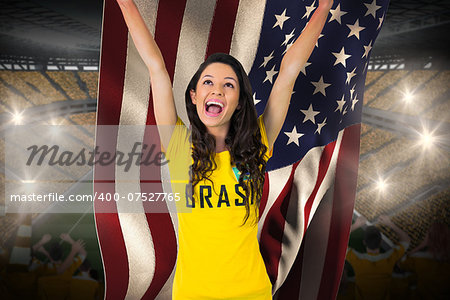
(213, 108)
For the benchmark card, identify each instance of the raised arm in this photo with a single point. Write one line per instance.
(359, 222)
(402, 236)
(77, 248)
(39, 246)
(164, 105)
(291, 64)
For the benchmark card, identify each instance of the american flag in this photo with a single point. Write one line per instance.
(310, 185)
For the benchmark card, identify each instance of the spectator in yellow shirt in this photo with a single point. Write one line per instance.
(373, 269)
(430, 262)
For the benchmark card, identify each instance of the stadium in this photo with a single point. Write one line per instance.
(49, 67)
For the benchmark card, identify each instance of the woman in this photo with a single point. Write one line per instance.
(222, 173)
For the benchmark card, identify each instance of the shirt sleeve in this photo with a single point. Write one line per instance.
(399, 250)
(350, 256)
(179, 141)
(264, 139)
(77, 261)
(407, 263)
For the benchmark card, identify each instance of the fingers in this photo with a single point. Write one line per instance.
(383, 219)
(361, 220)
(46, 237)
(79, 244)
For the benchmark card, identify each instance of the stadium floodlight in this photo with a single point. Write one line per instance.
(381, 185)
(427, 139)
(17, 118)
(54, 122)
(408, 97)
(29, 181)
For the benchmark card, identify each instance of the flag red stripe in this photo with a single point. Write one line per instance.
(273, 228)
(293, 288)
(167, 32)
(324, 164)
(343, 203)
(290, 289)
(265, 195)
(112, 72)
(222, 26)
(160, 225)
(112, 67)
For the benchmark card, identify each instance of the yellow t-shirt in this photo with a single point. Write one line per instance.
(433, 276)
(217, 257)
(373, 272)
(83, 287)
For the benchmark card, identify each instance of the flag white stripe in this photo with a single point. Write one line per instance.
(133, 222)
(136, 89)
(329, 178)
(304, 181)
(136, 233)
(139, 248)
(136, 86)
(246, 32)
(192, 46)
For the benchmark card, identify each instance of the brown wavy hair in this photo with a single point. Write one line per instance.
(243, 140)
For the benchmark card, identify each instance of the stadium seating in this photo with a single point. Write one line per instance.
(402, 184)
(84, 119)
(417, 218)
(372, 76)
(385, 81)
(393, 97)
(440, 112)
(33, 86)
(377, 164)
(91, 81)
(424, 98)
(365, 128)
(23, 89)
(373, 139)
(2, 150)
(68, 82)
(11, 101)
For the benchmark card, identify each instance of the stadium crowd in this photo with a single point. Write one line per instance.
(51, 273)
(422, 272)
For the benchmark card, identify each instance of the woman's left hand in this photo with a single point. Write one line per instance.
(326, 4)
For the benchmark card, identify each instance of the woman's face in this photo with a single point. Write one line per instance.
(216, 96)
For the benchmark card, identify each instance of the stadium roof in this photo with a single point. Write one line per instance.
(71, 28)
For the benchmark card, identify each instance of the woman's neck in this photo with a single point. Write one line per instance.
(219, 134)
